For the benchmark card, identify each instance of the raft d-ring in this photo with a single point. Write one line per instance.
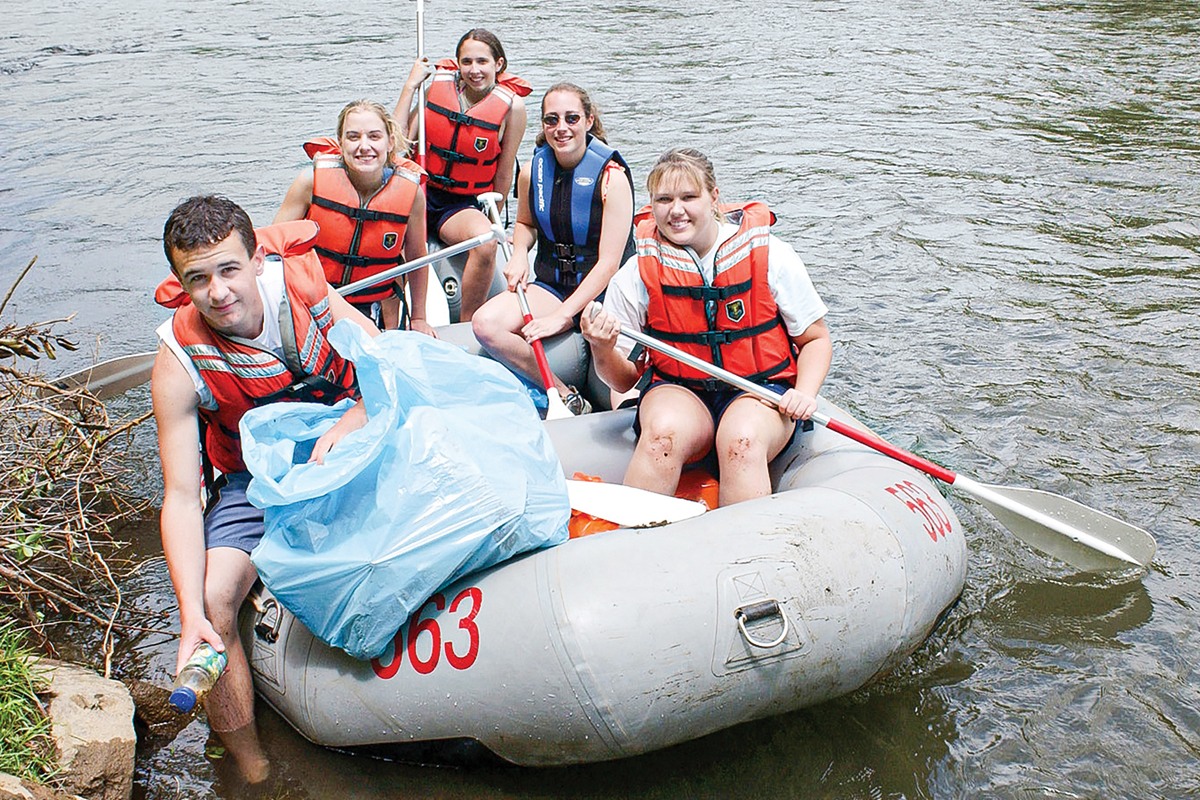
(268, 632)
(757, 611)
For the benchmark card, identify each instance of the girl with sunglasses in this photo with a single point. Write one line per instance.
(474, 122)
(714, 282)
(577, 207)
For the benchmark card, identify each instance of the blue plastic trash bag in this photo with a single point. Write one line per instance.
(452, 473)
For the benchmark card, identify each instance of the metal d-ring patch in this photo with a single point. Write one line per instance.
(753, 612)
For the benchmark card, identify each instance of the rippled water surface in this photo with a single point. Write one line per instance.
(999, 201)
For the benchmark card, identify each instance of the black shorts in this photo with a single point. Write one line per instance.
(716, 401)
(441, 205)
(557, 291)
(372, 311)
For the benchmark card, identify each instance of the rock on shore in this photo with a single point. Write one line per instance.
(92, 721)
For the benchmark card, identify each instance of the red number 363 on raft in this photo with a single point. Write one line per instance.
(919, 502)
(409, 638)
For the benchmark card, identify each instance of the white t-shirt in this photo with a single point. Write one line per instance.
(792, 289)
(270, 289)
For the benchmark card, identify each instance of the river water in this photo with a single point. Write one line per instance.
(1000, 203)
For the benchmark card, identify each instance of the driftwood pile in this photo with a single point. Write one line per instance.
(63, 493)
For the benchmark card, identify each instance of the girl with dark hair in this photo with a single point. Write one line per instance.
(474, 122)
(577, 207)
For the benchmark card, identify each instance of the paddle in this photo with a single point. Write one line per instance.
(421, 102)
(557, 409)
(1072, 532)
(630, 507)
(118, 375)
(108, 378)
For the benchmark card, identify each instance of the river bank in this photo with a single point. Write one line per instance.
(998, 203)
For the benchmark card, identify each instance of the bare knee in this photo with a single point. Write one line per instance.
(485, 325)
(660, 441)
(741, 452)
(222, 610)
(661, 446)
(226, 586)
(482, 256)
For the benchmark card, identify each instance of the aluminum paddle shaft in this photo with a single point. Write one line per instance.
(116, 376)
(421, 96)
(1083, 537)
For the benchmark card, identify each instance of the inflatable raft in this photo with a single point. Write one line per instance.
(631, 640)
(444, 298)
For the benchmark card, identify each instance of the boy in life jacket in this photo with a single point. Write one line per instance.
(251, 312)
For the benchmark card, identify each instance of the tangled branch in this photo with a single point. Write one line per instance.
(63, 474)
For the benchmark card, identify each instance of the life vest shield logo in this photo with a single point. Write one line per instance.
(390, 240)
(480, 144)
(584, 180)
(735, 310)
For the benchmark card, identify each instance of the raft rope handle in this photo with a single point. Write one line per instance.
(757, 611)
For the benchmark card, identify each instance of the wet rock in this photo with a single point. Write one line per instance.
(155, 711)
(92, 720)
(13, 788)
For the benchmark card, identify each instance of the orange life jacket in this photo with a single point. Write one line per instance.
(462, 148)
(359, 241)
(239, 373)
(732, 323)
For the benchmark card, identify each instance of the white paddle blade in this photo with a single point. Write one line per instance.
(557, 409)
(110, 378)
(630, 507)
(1058, 526)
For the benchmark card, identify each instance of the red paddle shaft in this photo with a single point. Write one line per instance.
(903, 456)
(539, 352)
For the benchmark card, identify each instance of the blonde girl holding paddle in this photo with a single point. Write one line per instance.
(712, 281)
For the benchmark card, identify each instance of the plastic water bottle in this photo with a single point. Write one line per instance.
(197, 677)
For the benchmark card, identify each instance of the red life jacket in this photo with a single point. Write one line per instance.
(464, 147)
(242, 375)
(358, 241)
(734, 323)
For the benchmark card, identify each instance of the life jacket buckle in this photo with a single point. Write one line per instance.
(566, 253)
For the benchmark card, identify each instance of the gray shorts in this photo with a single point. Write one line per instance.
(230, 520)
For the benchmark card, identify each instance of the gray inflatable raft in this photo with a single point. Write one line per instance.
(628, 641)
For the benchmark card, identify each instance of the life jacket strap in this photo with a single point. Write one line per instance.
(715, 338)
(459, 118)
(360, 214)
(358, 262)
(451, 183)
(707, 293)
(309, 389)
(453, 156)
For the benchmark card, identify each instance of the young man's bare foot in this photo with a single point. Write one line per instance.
(242, 744)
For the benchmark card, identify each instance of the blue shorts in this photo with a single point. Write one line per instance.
(230, 520)
(716, 401)
(441, 205)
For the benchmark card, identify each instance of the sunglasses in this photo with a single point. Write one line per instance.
(551, 120)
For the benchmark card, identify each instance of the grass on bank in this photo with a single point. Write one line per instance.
(26, 746)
